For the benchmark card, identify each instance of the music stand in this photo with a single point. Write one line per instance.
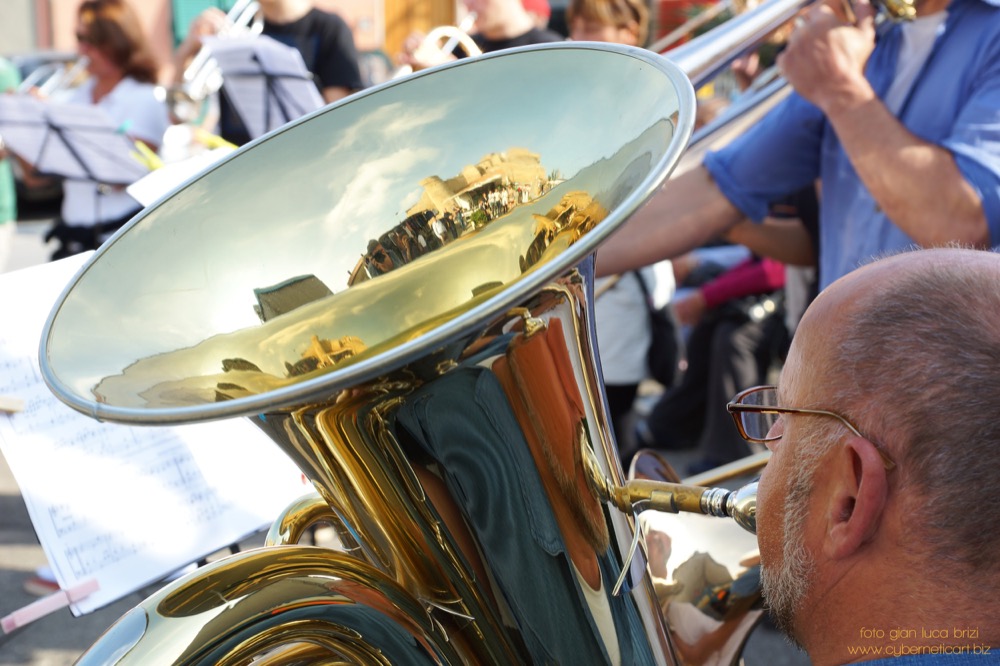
(266, 81)
(74, 141)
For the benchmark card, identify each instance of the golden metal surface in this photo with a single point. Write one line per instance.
(283, 273)
(268, 603)
(435, 381)
(706, 572)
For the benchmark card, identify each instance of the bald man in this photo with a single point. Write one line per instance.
(876, 519)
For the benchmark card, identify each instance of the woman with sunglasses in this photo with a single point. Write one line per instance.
(122, 80)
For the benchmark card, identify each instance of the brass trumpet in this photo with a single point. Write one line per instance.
(446, 38)
(427, 361)
(202, 77)
(52, 79)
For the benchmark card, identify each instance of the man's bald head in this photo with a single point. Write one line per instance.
(912, 354)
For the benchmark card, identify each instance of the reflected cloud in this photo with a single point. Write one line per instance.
(390, 121)
(364, 195)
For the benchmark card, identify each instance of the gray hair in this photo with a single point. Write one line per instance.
(918, 368)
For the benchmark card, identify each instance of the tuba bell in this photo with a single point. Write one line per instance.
(426, 359)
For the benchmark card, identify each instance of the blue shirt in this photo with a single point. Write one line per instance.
(954, 102)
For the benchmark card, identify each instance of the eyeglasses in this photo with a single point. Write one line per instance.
(85, 39)
(755, 412)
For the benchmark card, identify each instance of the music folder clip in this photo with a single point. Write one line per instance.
(50, 604)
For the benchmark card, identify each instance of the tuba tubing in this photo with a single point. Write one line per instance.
(435, 377)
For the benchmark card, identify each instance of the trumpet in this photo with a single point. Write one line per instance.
(445, 39)
(54, 78)
(448, 408)
(202, 77)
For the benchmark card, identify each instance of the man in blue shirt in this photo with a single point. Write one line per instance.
(902, 131)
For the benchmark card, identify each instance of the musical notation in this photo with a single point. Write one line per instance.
(120, 504)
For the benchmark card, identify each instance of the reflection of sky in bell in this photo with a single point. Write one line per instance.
(309, 201)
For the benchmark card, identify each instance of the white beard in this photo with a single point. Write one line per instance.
(785, 586)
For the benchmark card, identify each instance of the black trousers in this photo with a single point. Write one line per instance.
(726, 352)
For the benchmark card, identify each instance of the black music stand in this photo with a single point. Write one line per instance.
(266, 81)
(74, 141)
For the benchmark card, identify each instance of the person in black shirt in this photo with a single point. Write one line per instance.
(324, 40)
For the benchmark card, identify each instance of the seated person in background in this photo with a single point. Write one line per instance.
(874, 541)
(324, 40)
(621, 308)
(731, 345)
(735, 338)
(122, 77)
(616, 21)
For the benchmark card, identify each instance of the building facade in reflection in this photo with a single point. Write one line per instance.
(450, 208)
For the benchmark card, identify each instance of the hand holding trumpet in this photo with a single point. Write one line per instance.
(826, 54)
(209, 23)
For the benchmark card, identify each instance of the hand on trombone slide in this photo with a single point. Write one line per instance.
(825, 57)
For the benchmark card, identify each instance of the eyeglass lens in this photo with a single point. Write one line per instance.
(758, 424)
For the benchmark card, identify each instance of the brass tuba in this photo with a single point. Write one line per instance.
(398, 290)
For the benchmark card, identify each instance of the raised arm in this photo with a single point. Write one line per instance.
(685, 213)
(915, 182)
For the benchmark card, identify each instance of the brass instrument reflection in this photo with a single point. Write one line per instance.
(501, 433)
(711, 605)
(299, 298)
(447, 210)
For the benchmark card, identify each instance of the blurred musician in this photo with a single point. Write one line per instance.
(122, 75)
(500, 24)
(616, 21)
(324, 40)
(898, 121)
(9, 80)
(624, 297)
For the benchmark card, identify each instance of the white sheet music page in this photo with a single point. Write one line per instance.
(124, 505)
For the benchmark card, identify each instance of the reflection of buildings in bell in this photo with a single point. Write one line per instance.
(293, 293)
(516, 171)
(512, 465)
(575, 214)
(288, 295)
(448, 209)
(405, 242)
(325, 354)
(238, 377)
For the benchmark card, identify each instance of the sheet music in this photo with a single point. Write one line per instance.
(266, 81)
(126, 505)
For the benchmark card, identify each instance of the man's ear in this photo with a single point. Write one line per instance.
(857, 495)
